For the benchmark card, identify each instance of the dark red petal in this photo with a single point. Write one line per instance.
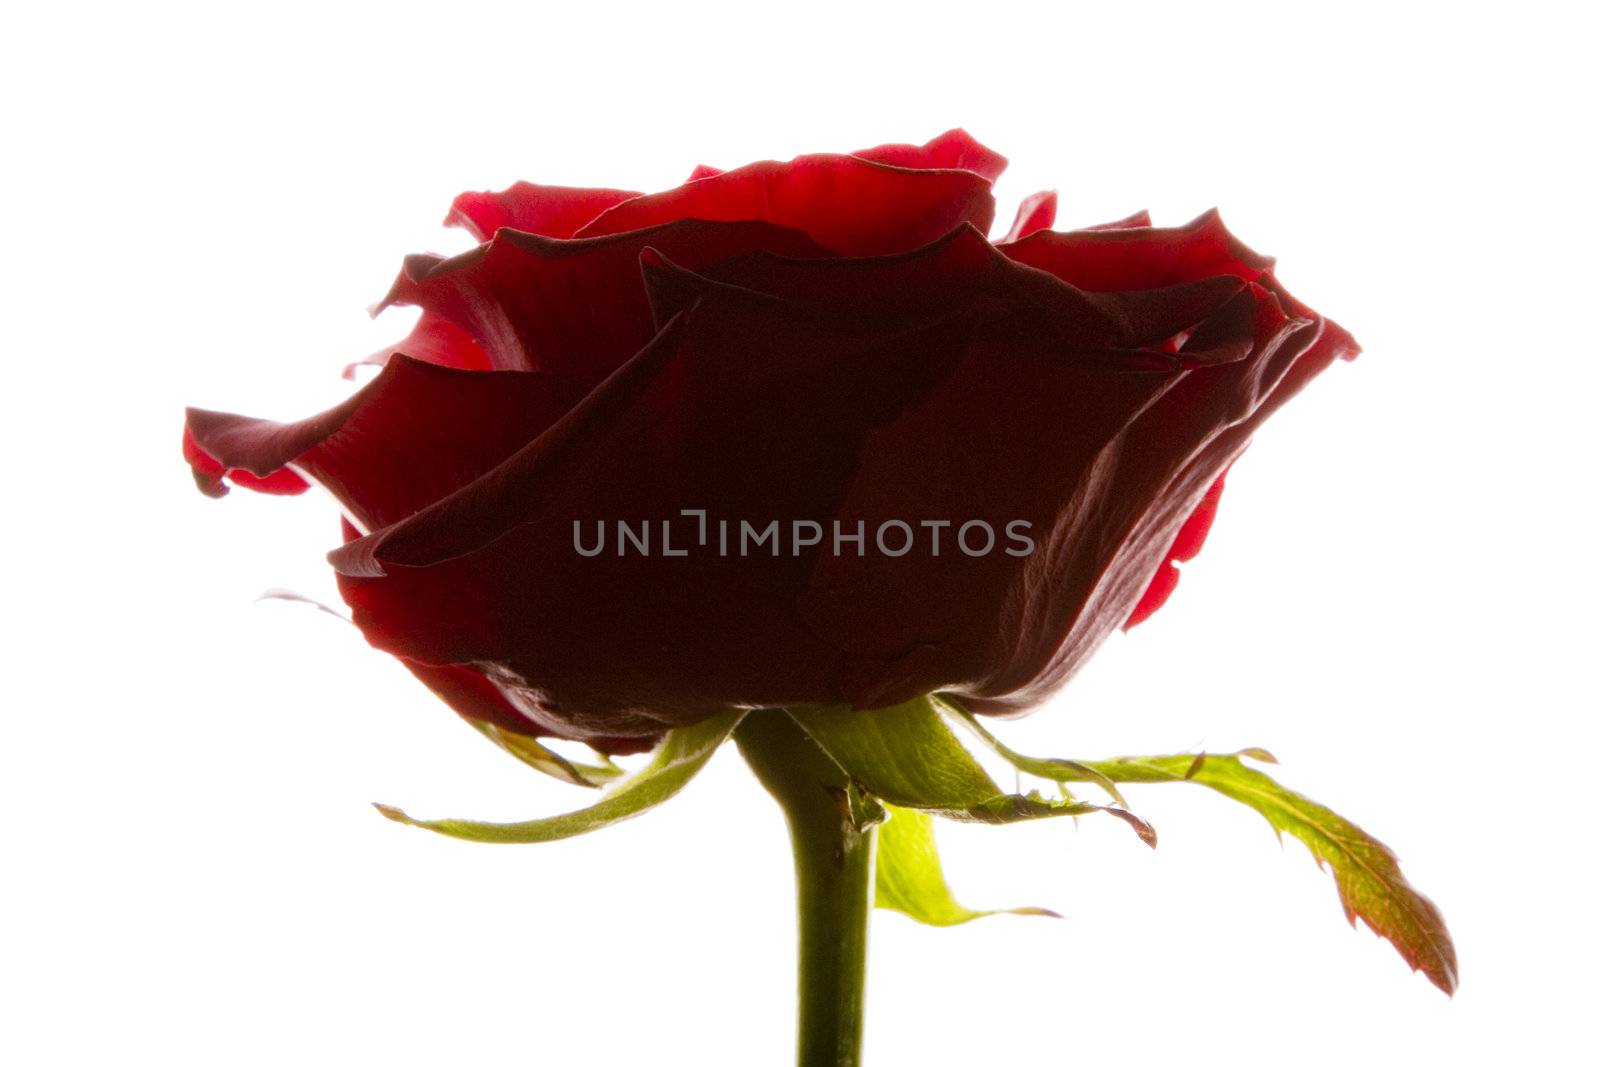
(518, 489)
(1121, 329)
(720, 412)
(208, 472)
(851, 205)
(1123, 459)
(1037, 212)
(415, 433)
(574, 308)
(1140, 257)
(760, 400)
(468, 692)
(473, 696)
(952, 150)
(1063, 462)
(1203, 310)
(1187, 544)
(1333, 337)
(1163, 465)
(547, 210)
(918, 283)
(703, 171)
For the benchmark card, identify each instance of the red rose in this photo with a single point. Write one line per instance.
(823, 347)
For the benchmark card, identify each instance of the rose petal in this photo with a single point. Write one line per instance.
(1191, 535)
(1037, 212)
(852, 205)
(547, 210)
(574, 308)
(208, 473)
(1167, 460)
(1120, 328)
(1137, 220)
(415, 433)
(470, 694)
(434, 339)
(952, 150)
(1140, 257)
(1331, 341)
(473, 696)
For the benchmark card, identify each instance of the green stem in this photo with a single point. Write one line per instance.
(833, 874)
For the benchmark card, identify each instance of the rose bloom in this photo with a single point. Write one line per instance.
(832, 340)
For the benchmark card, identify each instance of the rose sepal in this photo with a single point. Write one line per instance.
(679, 757)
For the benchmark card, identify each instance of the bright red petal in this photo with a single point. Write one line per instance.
(434, 339)
(1187, 544)
(1037, 212)
(1138, 220)
(547, 210)
(952, 150)
(854, 206)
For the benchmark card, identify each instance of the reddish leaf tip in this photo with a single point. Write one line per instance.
(1146, 832)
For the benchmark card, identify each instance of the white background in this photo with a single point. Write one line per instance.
(1397, 597)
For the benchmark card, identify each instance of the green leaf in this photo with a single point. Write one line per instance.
(1057, 770)
(910, 878)
(908, 756)
(1366, 872)
(677, 759)
(540, 758)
